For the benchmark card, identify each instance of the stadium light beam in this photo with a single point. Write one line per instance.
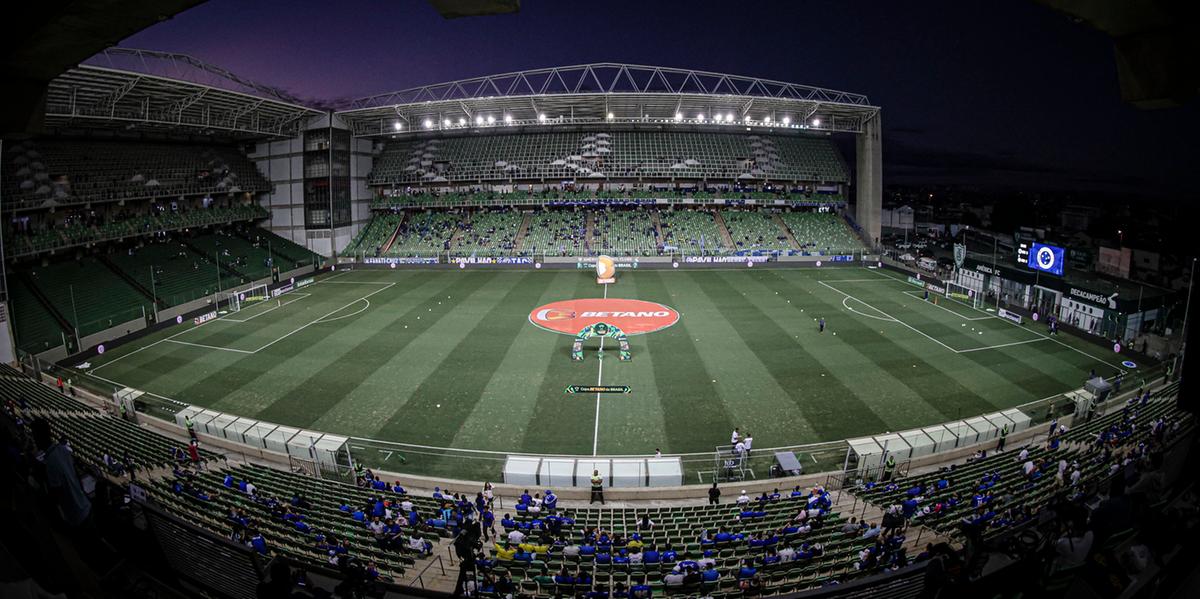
(446, 123)
(610, 116)
(397, 126)
(491, 119)
(787, 120)
(700, 117)
(461, 121)
(678, 116)
(816, 122)
(479, 119)
(542, 118)
(428, 124)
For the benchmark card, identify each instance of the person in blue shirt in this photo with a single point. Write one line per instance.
(748, 570)
(229, 480)
(437, 493)
(564, 577)
(242, 485)
(258, 542)
(668, 555)
(723, 536)
(397, 489)
(770, 558)
(711, 574)
(603, 558)
(651, 555)
(796, 492)
(507, 522)
(359, 516)
(620, 557)
(550, 501)
(587, 549)
(526, 498)
(640, 591)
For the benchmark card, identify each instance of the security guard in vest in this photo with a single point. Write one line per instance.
(889, 467)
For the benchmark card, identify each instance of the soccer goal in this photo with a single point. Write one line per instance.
(964, 295)
(235, 301)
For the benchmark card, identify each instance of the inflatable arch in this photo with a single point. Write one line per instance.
(600, 329)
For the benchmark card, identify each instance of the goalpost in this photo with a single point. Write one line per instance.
(964, 295)
(235, 301)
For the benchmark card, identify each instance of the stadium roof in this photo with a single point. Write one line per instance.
(127, 89)
(607, 93)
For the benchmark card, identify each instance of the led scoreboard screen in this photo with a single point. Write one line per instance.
(1046, 258)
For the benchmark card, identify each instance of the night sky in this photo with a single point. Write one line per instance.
(982, 93)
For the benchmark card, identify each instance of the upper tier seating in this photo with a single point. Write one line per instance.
(601, 155)
(55, 172)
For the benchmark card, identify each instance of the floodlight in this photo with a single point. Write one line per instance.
(816, 122)
(479, 120)
(610, 116)
(787, 120)
(428, 123)
(446, 123)
(678, 116)
(542, 118)
(397, 126)
(461, 121)
(491, 119)
(700, 117)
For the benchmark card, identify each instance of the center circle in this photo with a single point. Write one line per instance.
(633, 317)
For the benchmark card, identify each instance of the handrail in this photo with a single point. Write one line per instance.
(437, 559)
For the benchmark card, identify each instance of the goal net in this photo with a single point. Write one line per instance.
(964, 295)
(236, 301)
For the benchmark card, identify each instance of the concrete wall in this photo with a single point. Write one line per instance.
(869, 189)
(282, 162)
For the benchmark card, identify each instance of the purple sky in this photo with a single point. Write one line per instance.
(1014, 93)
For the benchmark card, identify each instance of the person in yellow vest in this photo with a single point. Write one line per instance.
(597, 488)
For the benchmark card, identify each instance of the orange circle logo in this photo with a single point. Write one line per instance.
(633, 317)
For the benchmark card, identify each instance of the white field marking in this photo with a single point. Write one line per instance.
(847, 306)
(240, 351)
(302, 327)
(896, 320)
(964, 351)
(871, 280)
(1011, 323)
(355, 282)
(299, 296)
(599, 377)
(918, 295)
(119, 358)
(356, 312)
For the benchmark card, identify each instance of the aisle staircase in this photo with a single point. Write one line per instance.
(395, 233)
(520, 239)
(791, 239)
(726, 238)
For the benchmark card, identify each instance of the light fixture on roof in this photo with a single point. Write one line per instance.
(729, 117)
(461, 121)
(428, 124)
(700, 117)
(542, 117)
(678, 116)
(478, 119)
(787, 120)
(508, 118)
(446, 123)
(767, 119)
(397, 126)
(491, 119)
(816, 122)
(610, 116)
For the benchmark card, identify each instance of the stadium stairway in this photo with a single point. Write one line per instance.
(26, 280)
(128, 279)
(589, 224)
(395, 233)
(791, 239)
(225, 267)
(658, 234)
(520, 240)
(726, 238)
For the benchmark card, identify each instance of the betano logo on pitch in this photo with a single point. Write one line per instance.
(633, 317)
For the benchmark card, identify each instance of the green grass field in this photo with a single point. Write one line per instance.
(449, 359)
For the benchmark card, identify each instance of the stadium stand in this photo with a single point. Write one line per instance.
(822, 232)
(57, 172)
(232, 251)
(602, 155)
(690, 230)
(623, 232)
(375, 235)
(179, 274)
(491, 232)
(424, 234)
(36, 329)
(752, 231)
(89, 295)
(86, 226)
(556, 233)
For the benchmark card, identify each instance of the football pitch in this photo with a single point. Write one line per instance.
(450, 358)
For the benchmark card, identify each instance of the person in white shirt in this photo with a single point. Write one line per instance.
(743, 499)
(657, 453)
(406, 506)
(1075, 476)
(739, 449)
(250, 488)
(1029, 467)
(1024, 455)
(735, 436)
(748, 441)
(787, 554)
(515, 537)
(635, 557)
